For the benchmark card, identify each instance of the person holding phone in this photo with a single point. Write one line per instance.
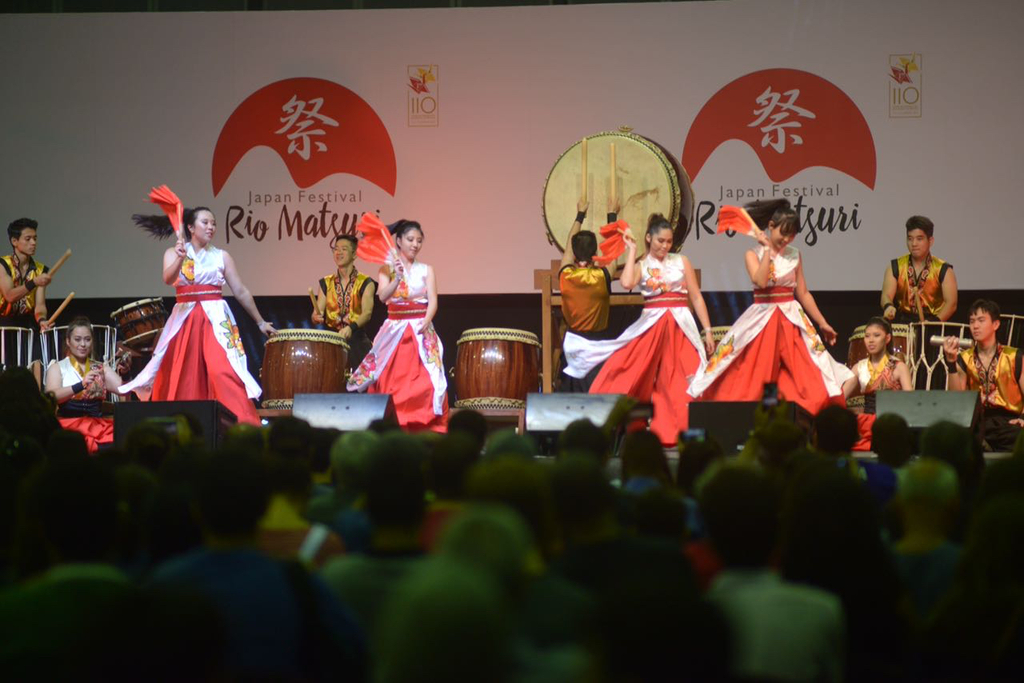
(774, 340)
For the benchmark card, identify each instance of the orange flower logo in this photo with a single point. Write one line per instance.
(188, 269)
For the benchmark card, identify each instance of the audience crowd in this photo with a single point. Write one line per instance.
(301, 554)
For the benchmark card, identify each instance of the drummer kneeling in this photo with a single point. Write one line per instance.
(79, 384)
(992, 369)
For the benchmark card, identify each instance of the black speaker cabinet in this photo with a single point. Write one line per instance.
(347, 412)
(214, 419)
(548, 414)
(922, 409)
(730, 422)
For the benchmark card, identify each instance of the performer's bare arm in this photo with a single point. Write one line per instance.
(758, 269)
(806, 299)
(903, 376)
(388, 283)
(53, 382)
(40, 311)
(851, 387)
(173, 258)
(12, 293)
(699, 307)
(431, 297)
(888, 294)
(955, 381)
(949, 294)
(567, 255)
(630, 272)
(321, 305)
(367, 306)
(243, 295)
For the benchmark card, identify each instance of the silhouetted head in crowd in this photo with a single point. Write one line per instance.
(471, 423)
(584, 437)
(74, 503)
(290, 437)
(395, 486)
(149, 444)
(928, 495)
(741, 509)
(993, 559)
(445, 622)
(661, 513)
(643, 456)
(233, 494)
(694, 459)
(291, 478)
(493, 539)
(778, 440)
(23, 410)
(350, 460)
(383, 425)
(322, 441)
(449, 464)
(507, 442)
(245, 438)
(522, 485)
(891, 440)
(66, 444)
(1002, 478)
(954, 444)
(835, 430)
(584, 499)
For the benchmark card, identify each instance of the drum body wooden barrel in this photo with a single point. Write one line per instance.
(302, 362)
(496, 368)
(139, 323)
(899, 346)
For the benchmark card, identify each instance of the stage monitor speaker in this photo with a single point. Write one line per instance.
(548, 414)
(347, 412)
(213, 418)
(730, 422)
(922, 409)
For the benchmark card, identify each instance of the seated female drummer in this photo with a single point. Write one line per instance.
(880, 371)
(585, 288)
(79, 384)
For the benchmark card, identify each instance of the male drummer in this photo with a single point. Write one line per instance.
(23, 280)
(992, 369)
(918, 286)
(345, 300)
(586, 288)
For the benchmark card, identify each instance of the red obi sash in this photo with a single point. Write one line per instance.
(668, 300)
(774, 295)
(191, 293)
(402, 311)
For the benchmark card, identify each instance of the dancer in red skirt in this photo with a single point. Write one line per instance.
(199, 354)
(79, 384)
(878, 372)
(405, 360)
(655, 357)
(774, 340)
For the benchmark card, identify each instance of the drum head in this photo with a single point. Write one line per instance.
(498, 333)
(159, 303)
(308, 335)
(649, 179)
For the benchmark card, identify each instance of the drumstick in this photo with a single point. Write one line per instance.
(583, 162)
(60, 262)
(614, 193)
(60, 309)
(312, 299)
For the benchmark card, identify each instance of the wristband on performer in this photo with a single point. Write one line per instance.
(612, 217)
(580, 216)
(887, 307)
(951, 366)
(353, 327)
(77, 387)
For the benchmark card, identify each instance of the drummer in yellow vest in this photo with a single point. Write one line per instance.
(345, 300)
(918, 286)
(585, 288)
(992, 369)
(23, 280)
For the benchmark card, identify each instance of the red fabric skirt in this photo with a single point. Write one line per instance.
(96, 430)
(779, 355)
(865, 421)
(655, 367)
(406, 379)
(195, 367)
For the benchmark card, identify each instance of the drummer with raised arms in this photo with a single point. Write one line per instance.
(919, 286)
(344, 302)
(23, 280)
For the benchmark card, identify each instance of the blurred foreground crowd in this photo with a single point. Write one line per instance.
(302, 554)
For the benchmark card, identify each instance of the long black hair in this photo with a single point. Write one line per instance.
(656, 223)
(159, 225)
(777, 211)
(402, 226)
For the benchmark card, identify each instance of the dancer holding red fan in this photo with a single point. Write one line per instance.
(774, 340)
(199, 355)
(405, 360)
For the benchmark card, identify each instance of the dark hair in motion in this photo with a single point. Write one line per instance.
(922, 223)
(584, 246)
(402, 226)
(656, 223)
(345, 238)
(16, 226)
(985, 306)
(159, 225)
(777, 211)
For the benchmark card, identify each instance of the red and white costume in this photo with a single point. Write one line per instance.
(200, 355)
(871, 379)
(81, 413)
(405, 360)
(773, 341)
(655, 357)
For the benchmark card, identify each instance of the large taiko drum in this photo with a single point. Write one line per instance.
(495, 368)
(1011, 330)
(899, 345)
(17, 347)
(649, 180)
(302, 362)
(139, 323)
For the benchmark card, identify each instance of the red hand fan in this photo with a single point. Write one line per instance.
(614, 245)
(168, 201)
(376, 245)
(736, 219)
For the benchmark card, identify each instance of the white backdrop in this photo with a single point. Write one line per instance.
(97, 108)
